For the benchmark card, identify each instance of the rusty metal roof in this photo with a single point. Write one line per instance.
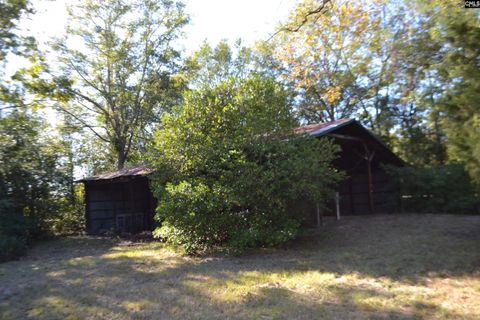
(138, 170)
(319, 129)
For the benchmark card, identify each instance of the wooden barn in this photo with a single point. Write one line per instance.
(122, 201)
(119, 201)
(368, 188)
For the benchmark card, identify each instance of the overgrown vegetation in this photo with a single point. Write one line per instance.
(444, 189)
(33, 184)
(231, 168)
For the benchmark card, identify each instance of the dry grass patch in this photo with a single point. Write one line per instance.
(380, 267)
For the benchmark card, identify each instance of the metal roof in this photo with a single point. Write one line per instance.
(319, 129)
(138, 170)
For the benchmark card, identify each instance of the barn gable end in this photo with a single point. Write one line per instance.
(368, 188)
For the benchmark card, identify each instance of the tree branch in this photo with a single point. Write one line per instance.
(310, 13)
(86, 125)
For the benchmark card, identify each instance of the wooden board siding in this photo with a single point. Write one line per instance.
(354, 194)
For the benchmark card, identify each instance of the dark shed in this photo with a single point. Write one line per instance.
(368, 188)
(119, 201)
(122, 201)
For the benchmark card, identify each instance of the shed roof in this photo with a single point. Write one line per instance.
(331, 127)
(319, 129)
(138, 170)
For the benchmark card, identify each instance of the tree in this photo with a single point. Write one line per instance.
(459, 32)
(119, 59)
(10, 13)
(370, 60)
(230, 169)
(32, 185)
(208, 66)
(326, 59)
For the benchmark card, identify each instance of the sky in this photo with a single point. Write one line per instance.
(211, 20)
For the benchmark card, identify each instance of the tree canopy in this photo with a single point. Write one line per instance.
(119, 57)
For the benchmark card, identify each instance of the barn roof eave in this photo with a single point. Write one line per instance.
(134, 171)
(327, 130)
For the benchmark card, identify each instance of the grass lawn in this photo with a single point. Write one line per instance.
(374, 267)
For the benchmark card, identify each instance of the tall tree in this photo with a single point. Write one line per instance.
(11, 12)
(371, 60)
(119, 57)
(209, 65)
(32, 183)
(326, 60)
(458, 29)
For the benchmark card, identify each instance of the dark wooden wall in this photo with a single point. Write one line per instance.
(354, 194)
(356, 144)
(354, 191)
(119, 205)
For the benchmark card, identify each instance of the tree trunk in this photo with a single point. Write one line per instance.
(121, 158)
(121, 151)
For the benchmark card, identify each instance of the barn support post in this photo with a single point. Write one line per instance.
(151, 208)
(132, 206)
(337, 204)
(369, 157)
(319, 216)
(370, 186)
(402, 210)
(86, 200)
(350, 196)
(115, 220)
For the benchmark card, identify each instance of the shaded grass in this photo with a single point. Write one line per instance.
(375, 267)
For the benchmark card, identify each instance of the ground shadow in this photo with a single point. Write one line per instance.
(100, 278)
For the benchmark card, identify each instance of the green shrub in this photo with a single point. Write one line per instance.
(436, 189)
(15, 231)
(33, 185)
(229, 168)
(71, 216)
(11, 247)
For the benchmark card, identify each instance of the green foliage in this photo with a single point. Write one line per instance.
(71, 218)
(10, 13)
(229, 167)
(459, 30)
(210, 65)
(438, 189)
(120, 72)
(11, 247)
(32, 185)
(15, 232)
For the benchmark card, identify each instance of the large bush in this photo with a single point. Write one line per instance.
(436, 189)
(15, 232)
(229, 168)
